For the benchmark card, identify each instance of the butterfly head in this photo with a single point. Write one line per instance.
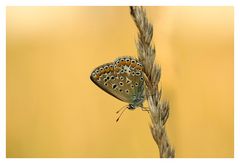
(138, 102)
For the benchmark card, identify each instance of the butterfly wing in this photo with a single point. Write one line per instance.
(122, 79)
(100, 78)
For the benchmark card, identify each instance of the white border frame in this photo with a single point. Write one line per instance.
(5, 3)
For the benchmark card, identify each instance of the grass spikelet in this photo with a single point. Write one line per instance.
(159, 110)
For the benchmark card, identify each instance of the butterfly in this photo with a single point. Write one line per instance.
(122, 79)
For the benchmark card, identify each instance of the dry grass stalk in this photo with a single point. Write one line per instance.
(159, 110)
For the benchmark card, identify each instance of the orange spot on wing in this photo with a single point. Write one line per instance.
(128, 63)
(122, 63)
(107, 70)
(117, 69)
(102, 71)
(133, 64)
(139, 67)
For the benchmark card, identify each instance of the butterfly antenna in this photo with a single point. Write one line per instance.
(121, 109)
(121, 114)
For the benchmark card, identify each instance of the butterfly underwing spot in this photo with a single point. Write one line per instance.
(106, 68)
(133, 73)
(127, 91)
(114, 86)
(132, 86)
(122, 71)
(112, 78)
(122, 61)
(117, 63)
(121, 83)
(126, 69)
(133, 63)
(97, 71)
(141, 78)
(139, 66)
(101, 70)
(128, 81)
(121, 78)
(138, 73)
(128, 62)
(111, 67)
(136, 84)
(94, 75)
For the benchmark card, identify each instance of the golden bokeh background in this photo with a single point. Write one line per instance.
(54, 110)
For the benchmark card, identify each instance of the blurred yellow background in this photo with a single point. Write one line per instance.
(54, 110)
